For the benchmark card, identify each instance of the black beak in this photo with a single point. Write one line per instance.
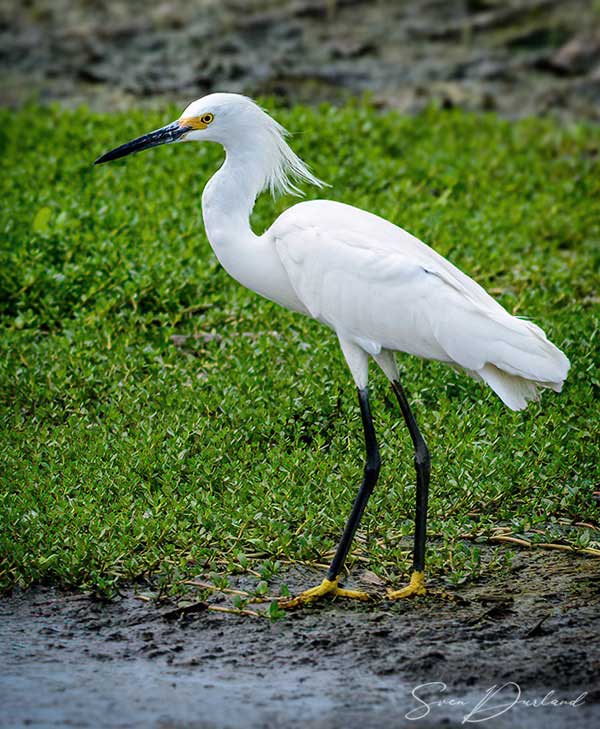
(164, 135)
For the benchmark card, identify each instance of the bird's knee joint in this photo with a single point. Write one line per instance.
(371, 472)
(422, 458)
(372, 468)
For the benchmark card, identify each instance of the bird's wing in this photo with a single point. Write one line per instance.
(364, 292)
(378, 285)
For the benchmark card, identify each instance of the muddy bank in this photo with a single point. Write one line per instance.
(70, 660)
(518, 57)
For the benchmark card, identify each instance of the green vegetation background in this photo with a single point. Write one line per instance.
(158, 418)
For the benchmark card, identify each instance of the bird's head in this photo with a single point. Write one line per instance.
(213, 118)
(238, 124)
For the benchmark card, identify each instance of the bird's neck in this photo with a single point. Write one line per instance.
(227, 203)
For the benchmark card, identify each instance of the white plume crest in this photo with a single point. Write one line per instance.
(283, 168)
(249, 133)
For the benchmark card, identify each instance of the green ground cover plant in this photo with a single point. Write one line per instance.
(157, 418)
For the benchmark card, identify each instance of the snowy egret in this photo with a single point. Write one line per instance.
(378, 287)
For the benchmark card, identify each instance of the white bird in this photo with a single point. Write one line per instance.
(378, 287)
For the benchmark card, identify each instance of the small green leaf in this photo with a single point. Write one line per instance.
(239, 602)
(275, 612)
(41, 221)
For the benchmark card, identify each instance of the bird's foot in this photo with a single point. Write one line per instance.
(327, 587)
(416, 586)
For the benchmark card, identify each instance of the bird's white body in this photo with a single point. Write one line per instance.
(378, 287)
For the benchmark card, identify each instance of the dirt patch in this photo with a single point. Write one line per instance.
(519, 57)
(70, 660)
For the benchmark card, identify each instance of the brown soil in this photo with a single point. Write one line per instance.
(71, 660)
(516, 56)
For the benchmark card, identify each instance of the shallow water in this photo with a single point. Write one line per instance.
(69, 660)
(140, 693)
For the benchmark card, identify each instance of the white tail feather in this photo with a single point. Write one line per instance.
(512, 355)
(514, 391)
(517, 374)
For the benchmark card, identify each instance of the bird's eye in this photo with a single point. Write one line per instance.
(206, 118)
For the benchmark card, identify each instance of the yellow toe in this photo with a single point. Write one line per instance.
(353, 594)
(327, 587)
(416, 586)
(307, 596)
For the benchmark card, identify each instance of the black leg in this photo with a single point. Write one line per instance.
(423, 468)
(371, 472)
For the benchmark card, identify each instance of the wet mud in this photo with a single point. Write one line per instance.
(72, 660)
(68, 659)
(518, 57)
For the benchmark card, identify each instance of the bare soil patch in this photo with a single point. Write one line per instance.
(71, 660)
(519, 57)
